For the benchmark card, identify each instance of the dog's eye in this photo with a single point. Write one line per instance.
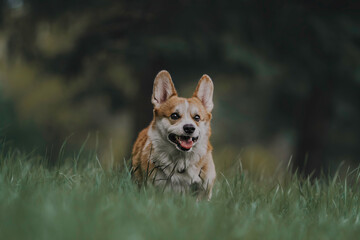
(175, 116)
(197, 118)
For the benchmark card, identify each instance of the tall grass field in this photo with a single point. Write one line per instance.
(81, 200)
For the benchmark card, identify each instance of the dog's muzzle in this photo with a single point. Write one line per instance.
(184, 143)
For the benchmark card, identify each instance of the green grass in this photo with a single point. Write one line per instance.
(80, 200)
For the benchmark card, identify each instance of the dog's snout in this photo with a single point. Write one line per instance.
(189, 128)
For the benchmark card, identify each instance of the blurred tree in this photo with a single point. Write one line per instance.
(279, 67)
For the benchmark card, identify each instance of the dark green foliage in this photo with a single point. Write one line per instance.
(282, 69)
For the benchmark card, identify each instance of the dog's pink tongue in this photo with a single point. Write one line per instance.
(187, 144)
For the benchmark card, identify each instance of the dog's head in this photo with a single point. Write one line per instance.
(182, 122)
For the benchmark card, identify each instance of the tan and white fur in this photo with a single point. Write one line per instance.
(174, 151)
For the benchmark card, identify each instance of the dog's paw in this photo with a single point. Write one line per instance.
(196, 186)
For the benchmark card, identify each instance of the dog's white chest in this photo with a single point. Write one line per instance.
(176, 172)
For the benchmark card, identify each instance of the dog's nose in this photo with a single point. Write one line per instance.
(189, 128)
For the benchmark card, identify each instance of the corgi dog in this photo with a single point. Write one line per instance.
(174, 151)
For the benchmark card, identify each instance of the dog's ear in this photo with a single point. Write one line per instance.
(204, 92)
(163, 88)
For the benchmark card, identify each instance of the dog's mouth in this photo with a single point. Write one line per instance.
(184, 143)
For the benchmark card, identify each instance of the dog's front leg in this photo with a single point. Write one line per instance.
(208, 175)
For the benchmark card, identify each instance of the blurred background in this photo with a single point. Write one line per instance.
(286, 76)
